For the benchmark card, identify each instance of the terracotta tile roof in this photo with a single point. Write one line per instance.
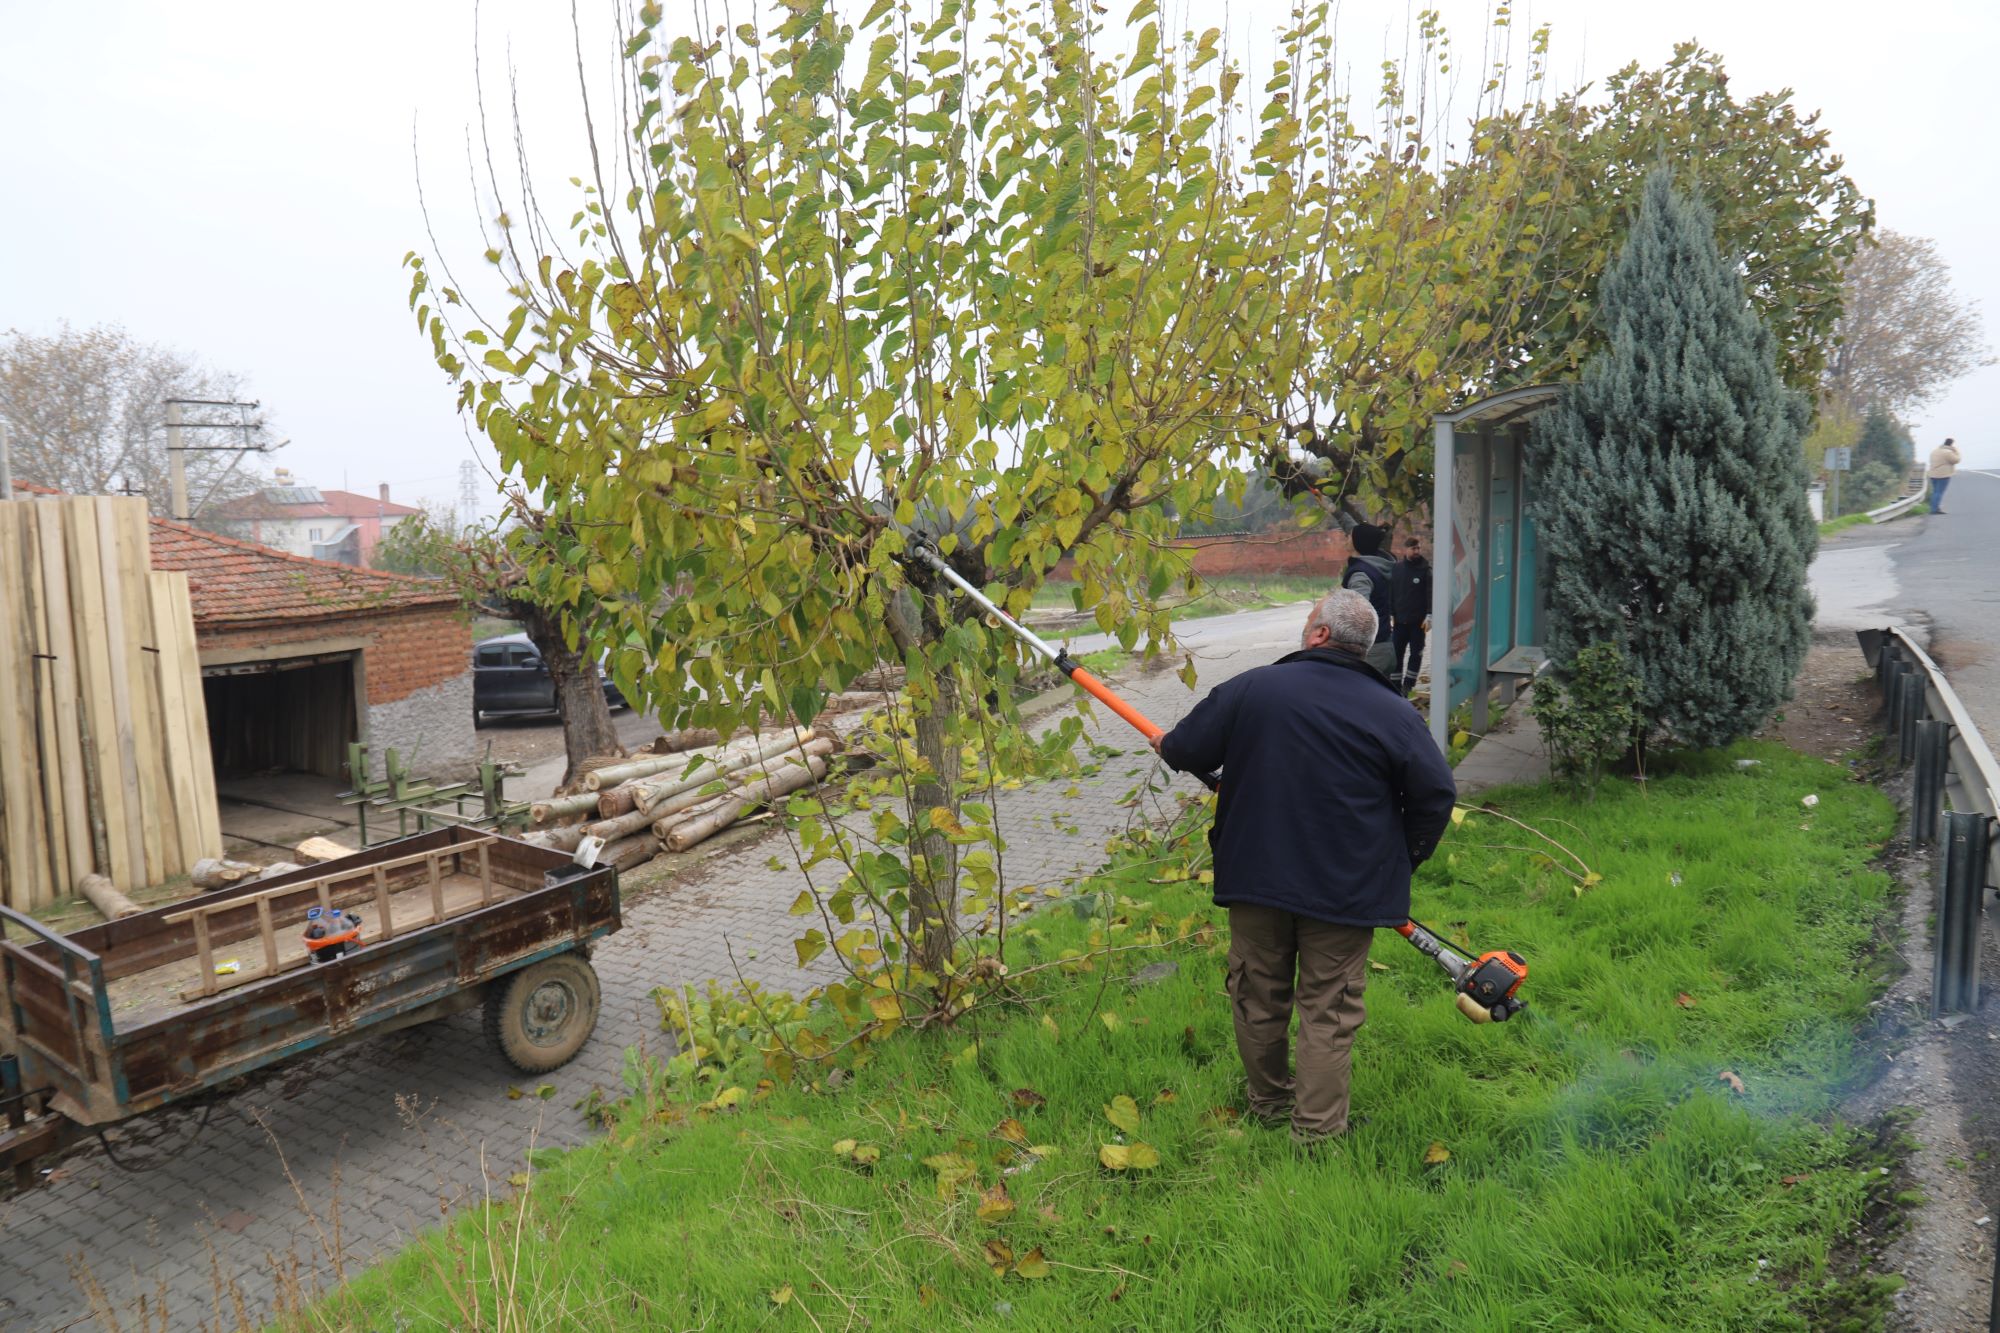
(331, 504)
(33, 489)
(236, 582)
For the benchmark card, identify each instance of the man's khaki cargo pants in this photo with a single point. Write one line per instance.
(1278, 962)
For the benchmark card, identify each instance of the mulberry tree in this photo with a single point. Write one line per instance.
(1673, 505)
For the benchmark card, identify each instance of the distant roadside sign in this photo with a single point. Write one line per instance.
(1839, 460)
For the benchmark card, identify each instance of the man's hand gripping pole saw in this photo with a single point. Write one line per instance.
(1487, 987)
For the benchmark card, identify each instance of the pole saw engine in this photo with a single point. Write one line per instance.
(1486, 987)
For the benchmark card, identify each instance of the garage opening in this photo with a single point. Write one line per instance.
(293, 715)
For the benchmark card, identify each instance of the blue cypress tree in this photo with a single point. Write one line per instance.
(1673, 488)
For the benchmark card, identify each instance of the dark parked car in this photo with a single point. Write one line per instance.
(509, 676)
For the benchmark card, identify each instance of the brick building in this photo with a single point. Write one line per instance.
(300, 657)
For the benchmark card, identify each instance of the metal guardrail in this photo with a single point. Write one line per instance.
(1955, 802)
(1898, 508)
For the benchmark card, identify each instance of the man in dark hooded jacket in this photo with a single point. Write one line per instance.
(1332, 795)
(1410, 600)
(1371, 573)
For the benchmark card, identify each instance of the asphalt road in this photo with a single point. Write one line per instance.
(1949, 566)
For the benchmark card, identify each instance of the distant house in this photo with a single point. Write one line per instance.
(336, 526)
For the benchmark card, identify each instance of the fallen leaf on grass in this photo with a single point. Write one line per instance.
(1165, 1097)
(1735, 1084)
(1685, 1000)
(999, 1257)
(844, 1147)
(1457, 1268)
(783, 1295)
(1437, 1154)
(1374, 966)
(1033, 1264)
(519, 1180)
(1124, 1113)
(1221, 1115)
(1028, 1099)
(996, 1205)
(1049, 1215)
(1110, 1020)
(1011, 1130)
(1128, 1156)
(926, 1295)
(867, 1154)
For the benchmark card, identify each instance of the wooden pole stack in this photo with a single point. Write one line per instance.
(642, 808)
(104, 759)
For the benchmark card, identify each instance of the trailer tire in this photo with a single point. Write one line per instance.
(540, 1016)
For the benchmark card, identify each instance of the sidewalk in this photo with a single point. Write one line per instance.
(1511, 753)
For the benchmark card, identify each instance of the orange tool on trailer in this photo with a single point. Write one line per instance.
(1487, 987)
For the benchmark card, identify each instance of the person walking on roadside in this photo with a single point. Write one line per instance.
(1369, 573)
(1410, 602)
(1944, 462)
(1332, 795)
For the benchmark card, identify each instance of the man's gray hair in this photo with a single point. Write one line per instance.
(1348, 618)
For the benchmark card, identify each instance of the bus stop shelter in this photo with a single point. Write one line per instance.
(1488, 608)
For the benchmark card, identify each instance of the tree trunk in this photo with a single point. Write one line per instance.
(586, 718)
(933, 915)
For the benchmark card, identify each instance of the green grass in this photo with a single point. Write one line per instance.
(1845, 521)
(1218, 597)
(1601, 1172)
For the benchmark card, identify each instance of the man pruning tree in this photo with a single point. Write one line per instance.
(1332, 795)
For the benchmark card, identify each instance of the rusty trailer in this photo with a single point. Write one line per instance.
(167, 1007)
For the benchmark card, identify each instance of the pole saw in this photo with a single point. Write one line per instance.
(1486, 988)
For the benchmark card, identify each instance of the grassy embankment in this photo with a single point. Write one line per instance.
(1590, 1165)
(1218, 597)
(1841, 524)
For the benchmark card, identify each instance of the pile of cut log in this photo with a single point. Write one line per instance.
(671, 802)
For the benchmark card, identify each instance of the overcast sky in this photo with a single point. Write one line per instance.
(236, 179)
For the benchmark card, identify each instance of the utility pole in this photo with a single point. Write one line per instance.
(176, 464)
(6, 465)
(468, 494)
(176, 451)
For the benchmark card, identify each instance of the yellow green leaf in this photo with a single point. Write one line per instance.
(783, 1295)
(844, 1147)
(1124, 1113)
(1437, 1154)
(1115, 1156)
(1033, 1264)
(995, 1205)
(1010, 1130)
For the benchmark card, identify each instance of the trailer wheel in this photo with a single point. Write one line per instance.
(541, 1016)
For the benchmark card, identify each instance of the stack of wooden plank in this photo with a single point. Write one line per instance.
(672, 802)
(104, 763)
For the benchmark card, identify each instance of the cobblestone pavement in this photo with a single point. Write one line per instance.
(351, 1152)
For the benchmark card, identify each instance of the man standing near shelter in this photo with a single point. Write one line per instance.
(1944, 462)
(1410, 602)
(1332, 795)
(1370, 573)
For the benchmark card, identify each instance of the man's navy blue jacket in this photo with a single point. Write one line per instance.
(1332, 790)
